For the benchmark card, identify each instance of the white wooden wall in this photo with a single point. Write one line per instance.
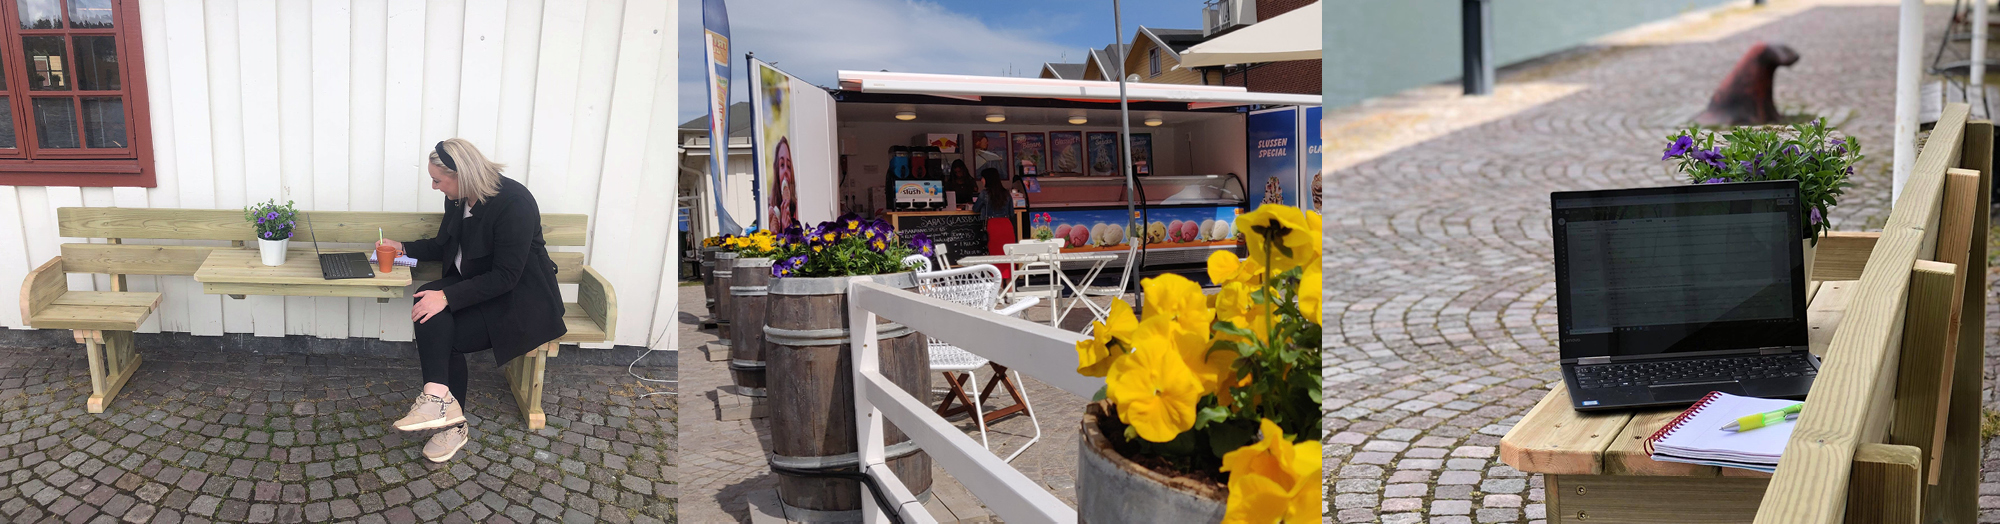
(336, 103)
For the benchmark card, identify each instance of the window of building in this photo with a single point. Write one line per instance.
(1153, 59)
(73, 109)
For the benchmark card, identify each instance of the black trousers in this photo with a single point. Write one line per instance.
(443, 341)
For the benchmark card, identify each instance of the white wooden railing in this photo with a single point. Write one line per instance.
(1043, 352)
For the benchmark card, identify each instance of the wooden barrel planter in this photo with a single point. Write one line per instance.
(708, 278)
(752, 277)
(725, 263)
(812, 396)
(1111, 488)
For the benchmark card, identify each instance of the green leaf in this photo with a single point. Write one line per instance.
(1101, 391)
(1224, 438)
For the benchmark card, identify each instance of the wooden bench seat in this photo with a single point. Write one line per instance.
(104, 320)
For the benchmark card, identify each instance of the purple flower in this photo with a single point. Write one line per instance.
(271, 216)
(922, 243)
(1850, 170)
(1712, 156)
(1715, 181)
(266, 235)
(1816, 218)
(1840, 144)
(787, 267)
(1793, 150)
(1679, 147)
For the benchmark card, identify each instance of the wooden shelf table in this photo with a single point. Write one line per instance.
(241, 272)
(1595, 465)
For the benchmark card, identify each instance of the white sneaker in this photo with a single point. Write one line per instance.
(445, 444)
(432, 412)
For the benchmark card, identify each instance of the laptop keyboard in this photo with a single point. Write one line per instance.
(1693, 371)
(340, 266)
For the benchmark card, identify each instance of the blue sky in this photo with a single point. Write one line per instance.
(815, 38)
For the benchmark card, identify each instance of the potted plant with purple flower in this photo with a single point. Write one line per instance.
(274, 224)
(1817, 156)
(806, 336)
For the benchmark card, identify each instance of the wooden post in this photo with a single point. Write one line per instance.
(1957, 492)
(1924, 358)
(1885, 486)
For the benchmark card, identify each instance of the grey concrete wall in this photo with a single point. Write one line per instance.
(1379, 47)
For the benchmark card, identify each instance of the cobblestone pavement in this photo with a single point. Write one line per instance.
(218, 436)
(725, 459)
(1439, 273)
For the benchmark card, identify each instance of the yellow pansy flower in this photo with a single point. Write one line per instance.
(1233, 304)
(1107, 342)
(1224, 267)
(1155, 392)
(1309, 294)
(1273, 480)
(1302, 235)
(1174, 296)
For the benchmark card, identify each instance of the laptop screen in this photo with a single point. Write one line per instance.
(1705, 267)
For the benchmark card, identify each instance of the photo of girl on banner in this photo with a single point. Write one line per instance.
(777, 180)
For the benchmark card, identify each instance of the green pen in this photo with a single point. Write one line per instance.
(1766, 419)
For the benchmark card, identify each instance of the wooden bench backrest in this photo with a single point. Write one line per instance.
(1894, 373)
(228, 224)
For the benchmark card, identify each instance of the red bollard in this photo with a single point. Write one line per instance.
(1745, 95)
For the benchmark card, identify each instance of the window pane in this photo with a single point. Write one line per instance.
(40, 14)
(46, 71)
(55, 123)
(7, 124)
(103, 122)
(96, 63)
(89, 14)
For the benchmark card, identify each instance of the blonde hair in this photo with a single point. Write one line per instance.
(478, 178)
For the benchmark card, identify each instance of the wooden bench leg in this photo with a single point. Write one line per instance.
(112, 363)
(524, 379)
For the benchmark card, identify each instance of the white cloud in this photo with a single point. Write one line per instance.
(813, 39)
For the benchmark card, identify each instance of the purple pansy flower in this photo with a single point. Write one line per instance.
(922, 243)
(1715, 181)
(787, 267)
(1679, 147)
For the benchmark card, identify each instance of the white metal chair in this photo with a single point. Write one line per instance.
(1102, 311)
(977, 287)
(942, 262)
(1022, 283)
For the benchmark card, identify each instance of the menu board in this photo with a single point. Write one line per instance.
(964, 233)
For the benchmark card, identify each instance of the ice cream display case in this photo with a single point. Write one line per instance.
(1181, 219)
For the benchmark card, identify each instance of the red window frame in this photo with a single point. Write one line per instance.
(27, 164)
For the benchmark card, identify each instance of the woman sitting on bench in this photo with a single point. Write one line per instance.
(498, 291)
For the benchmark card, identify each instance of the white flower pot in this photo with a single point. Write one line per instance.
(1810, 250)
(273, 251)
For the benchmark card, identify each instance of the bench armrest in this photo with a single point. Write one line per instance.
(42, 287)
(594, 293)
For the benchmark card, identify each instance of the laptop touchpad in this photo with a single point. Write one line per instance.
(1693, 392)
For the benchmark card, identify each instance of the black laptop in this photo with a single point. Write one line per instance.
(1665, 294)
(336, 266)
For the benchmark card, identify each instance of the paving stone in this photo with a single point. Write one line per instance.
(1451, 507)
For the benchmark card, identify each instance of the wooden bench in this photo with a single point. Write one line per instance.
(104, 320)
(1895, 434)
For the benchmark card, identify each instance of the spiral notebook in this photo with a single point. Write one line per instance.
(1696, 437)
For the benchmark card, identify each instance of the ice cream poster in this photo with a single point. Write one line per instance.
(1065, 152)
(1274, 159)
(1030, 153)
(1103, 153)
(1105, 229)
(1315, 128)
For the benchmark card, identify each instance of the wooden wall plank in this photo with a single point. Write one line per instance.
(295, 103)
(368, 84)
(641, 41)
(1926, 350)
(1886, 485)
(226, 124)
(257, 64)
(405, 177)
(517, 87)
(592, 103)
(1957, 489)
(481, 47)
(660, 176)
(444, 32)
(556, 79)
(13, 253)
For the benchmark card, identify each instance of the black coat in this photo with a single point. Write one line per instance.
(509, 280)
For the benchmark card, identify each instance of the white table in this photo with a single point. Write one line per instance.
(1097, 262)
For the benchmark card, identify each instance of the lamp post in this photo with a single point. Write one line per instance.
(1125, 131)
(1476, 20)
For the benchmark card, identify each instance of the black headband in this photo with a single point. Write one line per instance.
(446, 157)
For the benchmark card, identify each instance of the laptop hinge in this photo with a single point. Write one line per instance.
(1775, 351)
(1585, 361)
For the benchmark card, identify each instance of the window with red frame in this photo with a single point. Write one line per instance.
(72, 94)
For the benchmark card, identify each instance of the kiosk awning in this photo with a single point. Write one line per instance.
(972, 87)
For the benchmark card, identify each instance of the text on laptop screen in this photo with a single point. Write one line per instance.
(1651, 273)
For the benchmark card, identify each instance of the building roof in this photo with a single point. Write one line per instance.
(1070, 71)
(1175, 39)
(1108, 55)
(739, 121)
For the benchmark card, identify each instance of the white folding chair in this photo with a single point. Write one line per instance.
(1089, 292)
(977, 287)
(1022, 283)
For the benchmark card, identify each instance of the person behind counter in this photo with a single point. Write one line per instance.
(996, 204)
(961, 182)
